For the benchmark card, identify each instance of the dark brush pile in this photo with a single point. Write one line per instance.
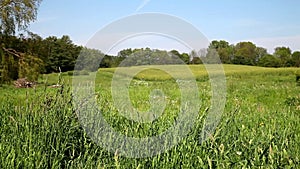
(24, 83)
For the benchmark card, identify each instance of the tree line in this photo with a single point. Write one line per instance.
(33, 55)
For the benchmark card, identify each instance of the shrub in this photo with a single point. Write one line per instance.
(84, 72)
(70, 73)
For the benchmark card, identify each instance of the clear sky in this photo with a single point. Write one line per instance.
(267, 23)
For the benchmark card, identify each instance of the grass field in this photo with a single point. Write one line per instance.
(259, 127)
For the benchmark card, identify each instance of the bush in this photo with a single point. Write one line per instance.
(70, 73)
(84, 72)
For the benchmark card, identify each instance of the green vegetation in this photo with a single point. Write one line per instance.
(17, 15)
(40, 128)
(259, 127)
(31, 56)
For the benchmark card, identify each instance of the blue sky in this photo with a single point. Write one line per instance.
(267, 23)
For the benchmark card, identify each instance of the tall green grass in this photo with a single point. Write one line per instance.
(259, 128)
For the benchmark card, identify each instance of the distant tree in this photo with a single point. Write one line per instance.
(89, 59)
(284, 54)
(269, 61)
(296, 59)
(212, 56)
(106, 62)
(245, 54)
(223, 49)
(194, 56)
(61, 53)
(160, 57)
(260, 52)
(184, 56)
(219, 44)
(196, 60)
(125, 52)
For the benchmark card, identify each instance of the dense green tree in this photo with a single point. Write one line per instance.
(89, 59)
(15, 54)
(223, 49)
(269, 61)
(284, 54)
(245, 54)
(61, 53)
(260, 52)
(107, 61)
(17, 14)
(184, 57)
(296, 59)
(125, 52)
(196, 60)
(225, 54)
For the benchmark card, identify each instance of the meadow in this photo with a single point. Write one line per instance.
(259, 127)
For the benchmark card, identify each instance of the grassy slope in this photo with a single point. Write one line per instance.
(259, 128)
(154, 73)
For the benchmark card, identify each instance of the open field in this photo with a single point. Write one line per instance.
(259, 127)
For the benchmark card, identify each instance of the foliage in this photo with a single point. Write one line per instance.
(223, 49)
(296, 59)
(269, 61)
(60, 53)
(245, 53)
(30, 67)
(284, 54)
(15, 60)
(17, 14)
(18, 63)
(89, 59)
(29, 56)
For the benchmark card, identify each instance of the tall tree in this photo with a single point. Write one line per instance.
(296, 59)
(284, 54)
(222, 48)
(61, 53)
(17, 14)
(184, 56)
(260, 52)
(245, 53)
(125, 52)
